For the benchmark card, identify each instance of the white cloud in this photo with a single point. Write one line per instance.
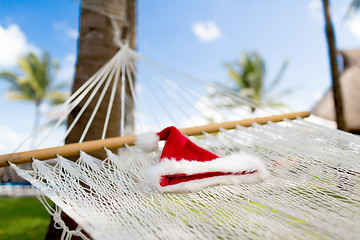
(64, 31)
(13, 44)
(206, 31)
(353, 24)
(67, 68)
(315, 7)
(9, 139)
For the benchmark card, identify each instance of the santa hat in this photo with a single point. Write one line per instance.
(184, 166)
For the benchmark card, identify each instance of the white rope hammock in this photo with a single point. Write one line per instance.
(163, 97)
(313, 190)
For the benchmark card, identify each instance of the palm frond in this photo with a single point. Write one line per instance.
(248, 75)
(56, 97)
(26, 64)
(9, 77)
(37, 80)
(17, 95)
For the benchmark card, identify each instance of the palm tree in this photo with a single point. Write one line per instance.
(248, 77)
(36, 82)
(99, 24)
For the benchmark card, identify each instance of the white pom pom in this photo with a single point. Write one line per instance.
(147, 142)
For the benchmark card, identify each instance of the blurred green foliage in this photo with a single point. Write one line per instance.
(23, 218)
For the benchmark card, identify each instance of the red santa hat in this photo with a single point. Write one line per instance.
(184, 166)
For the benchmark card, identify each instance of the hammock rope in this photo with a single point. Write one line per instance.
(117, 142)
(308, 195)
(181, 100)
(312, 191)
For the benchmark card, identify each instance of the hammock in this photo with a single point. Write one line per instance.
(312, 192)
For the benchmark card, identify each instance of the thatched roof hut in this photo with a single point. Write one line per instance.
(350, 83)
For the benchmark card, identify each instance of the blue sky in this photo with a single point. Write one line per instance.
(196, 36)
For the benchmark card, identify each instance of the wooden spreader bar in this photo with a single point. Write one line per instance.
(117, 142)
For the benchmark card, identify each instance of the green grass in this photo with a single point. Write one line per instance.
(23, 218)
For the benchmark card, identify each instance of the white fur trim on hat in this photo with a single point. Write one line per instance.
(147, 142)
(235, 163)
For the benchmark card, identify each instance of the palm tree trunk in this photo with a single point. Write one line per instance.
(336, 86)
(95, 48)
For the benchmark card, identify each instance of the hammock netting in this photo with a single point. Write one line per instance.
(154, 95)
(312, 192)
